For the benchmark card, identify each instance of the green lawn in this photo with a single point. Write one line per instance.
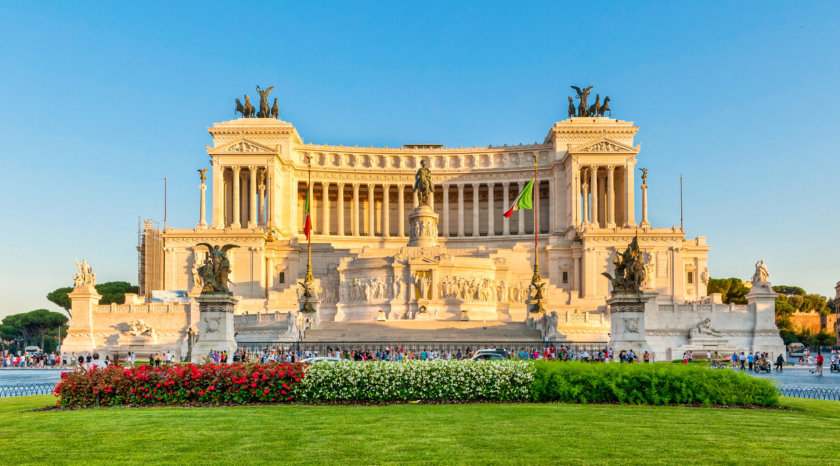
(480, 433)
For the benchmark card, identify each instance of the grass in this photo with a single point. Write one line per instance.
(477, 433)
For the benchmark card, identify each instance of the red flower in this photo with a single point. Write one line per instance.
(201, 393)
(254, 385)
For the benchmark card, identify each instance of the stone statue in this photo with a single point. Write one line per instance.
(571, 107)
(423, 183)
(761, 275)
(629, 270)
(583, 95)
(138, 328)
(275, 110)
(703, 328)
(85, 277)
(264, 112)
(216, 269)
(539, 293)
(606, 107)
(704, 276)
(202, 174)
(247, 110)
(644, 175)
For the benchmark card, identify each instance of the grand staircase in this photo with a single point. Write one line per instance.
(423, 331)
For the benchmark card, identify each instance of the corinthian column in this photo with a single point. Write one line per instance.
(506, 204)
(386, 214)
(610, 196)
(401, 209)
(340, 209)
(645, 222)
(371, 211)
(201, 220)
(593, 187)
(491, 220)
(475, 231)
(520, 214)
(218, 194)
(325, 207)
(252, 205)
(236, 201)
(445, 195)
(460, 210)
(355, 211)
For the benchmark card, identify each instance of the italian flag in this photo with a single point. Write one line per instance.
(523, 200)
(307, 221)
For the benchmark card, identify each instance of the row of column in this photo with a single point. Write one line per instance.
(600, 199)
(321, 209)
(245, 197)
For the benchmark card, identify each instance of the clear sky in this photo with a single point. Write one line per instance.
(102, 100)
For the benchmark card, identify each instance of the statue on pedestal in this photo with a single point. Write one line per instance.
(759, 278)
(201, 173)
(85, 277)
(216, 269)
(264, 112)
(629, 270)
(423, 183)
(583, 95)
(247, 110)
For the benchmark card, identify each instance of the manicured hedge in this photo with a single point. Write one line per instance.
(654, 384)
(417, 380)
(347, 381)
(178, 384)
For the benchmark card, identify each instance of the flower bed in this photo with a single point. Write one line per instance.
(417, 380)
(654, 384)
(179, 384)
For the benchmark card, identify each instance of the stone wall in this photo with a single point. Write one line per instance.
(812, 322)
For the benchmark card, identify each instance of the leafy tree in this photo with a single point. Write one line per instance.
(732, 290)
(59, 298)
(789, 290)
(39, 323)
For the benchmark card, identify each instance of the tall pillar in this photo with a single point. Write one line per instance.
(261, 212)
(520, 214)
(325, 207)
(593, 187)
(491, 219)
(269, 199)
(243, 199)
(252, 205)
(506, 204)
(575, 197)
(445, 207)
(645, 222)
(371, 211)
(475, 231)
(460, 210)
(340, 209)
(218, 194)
(202, 221)
(236, 201)
(401, 209)
(610, 196)
(386, 208)
(576, 273)
(354, 211)
(585, 195)
(629, 191)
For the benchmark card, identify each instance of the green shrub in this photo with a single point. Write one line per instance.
(655, 384)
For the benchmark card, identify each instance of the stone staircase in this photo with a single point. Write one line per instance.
(425, 331)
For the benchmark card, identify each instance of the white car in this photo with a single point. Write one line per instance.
(320, 358)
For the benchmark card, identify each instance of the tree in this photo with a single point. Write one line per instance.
(112, 292)
(789, 290)
(33, 324)
(59, 298)
(732, 290)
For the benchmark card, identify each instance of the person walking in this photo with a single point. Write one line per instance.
(820, 361)
(780, 361)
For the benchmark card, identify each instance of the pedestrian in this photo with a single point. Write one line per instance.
(779, 362)
(820, 360)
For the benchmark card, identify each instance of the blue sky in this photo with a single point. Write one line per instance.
(102, 100)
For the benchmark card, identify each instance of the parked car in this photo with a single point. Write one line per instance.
(487, 356)
(320, 358)
(503, 352)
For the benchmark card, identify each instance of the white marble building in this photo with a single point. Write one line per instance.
(481, 263)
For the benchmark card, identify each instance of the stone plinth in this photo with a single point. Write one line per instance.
(423, 230)
(215, 325)
(766, 337)
(627, 322)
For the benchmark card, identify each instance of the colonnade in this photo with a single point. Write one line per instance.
(605, 196)
(240, 198)
(371, 209)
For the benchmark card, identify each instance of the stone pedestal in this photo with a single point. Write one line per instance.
(80, 337)
(423, 227)
(627, 322)
(766, 337)
(215, 325)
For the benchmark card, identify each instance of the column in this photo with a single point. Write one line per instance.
(460, 210)
(506, 205)
(520, 214)
(325, 208)
(269, 199)
(202, 222)
(491, 219)
(218, 195)
(475, 231)
(261, 213)
(553, 211)
(269, 275)
(593, 188)
(340, 209)
(386, 214)
(354, 211)
(575, 197)
(645, 222)
(252, 184)
(576, 273)
(401, 208)
(371, 211)
(610, 196)
(629, 190)
(236, 201)
(243, 199)
(445, 195)
(585, 195)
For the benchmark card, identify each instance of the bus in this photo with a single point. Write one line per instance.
(796, 350)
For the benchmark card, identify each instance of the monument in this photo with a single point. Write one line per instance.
(627, 304)
(215, 305)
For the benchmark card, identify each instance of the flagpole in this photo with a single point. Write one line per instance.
(536, 278)
(309, 277)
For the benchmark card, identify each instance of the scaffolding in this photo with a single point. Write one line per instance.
(149, 257)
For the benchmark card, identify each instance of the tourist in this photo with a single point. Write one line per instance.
(820, 363)
(646, 357)
(96, 363)
(742, 359)
(780, 360)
